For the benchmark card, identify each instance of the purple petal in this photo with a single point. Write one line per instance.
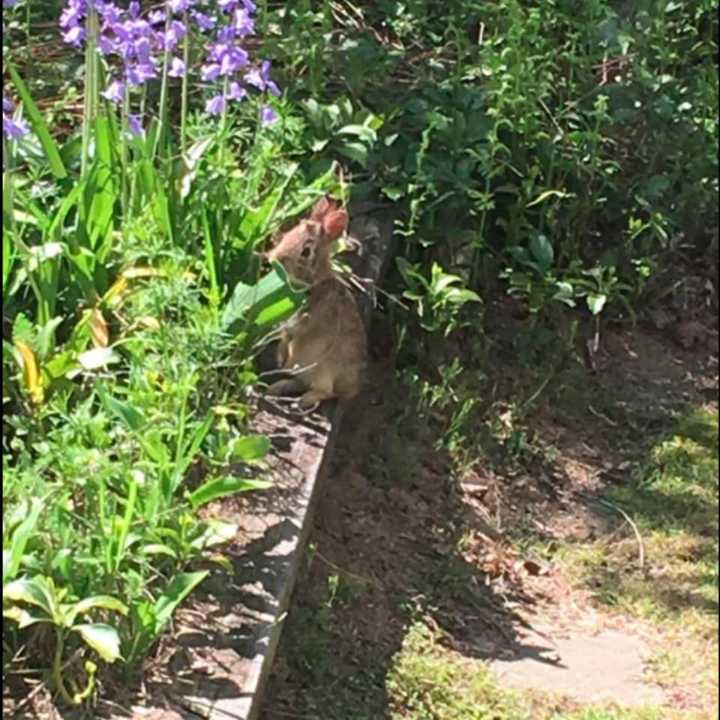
(215, 105)
(135, 125)
(114, 92)
(253, 77)
(75, 35)
(236, 91)
(209, 72)
(243, 24)
(204, 22)
(14, 129)
(177, 68)
(268, 116)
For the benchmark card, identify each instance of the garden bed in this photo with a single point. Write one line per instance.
(215, 662)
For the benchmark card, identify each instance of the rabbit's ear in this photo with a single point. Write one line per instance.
(335, 223)
(322, 208)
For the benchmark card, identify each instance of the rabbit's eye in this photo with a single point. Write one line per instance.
(306, 251)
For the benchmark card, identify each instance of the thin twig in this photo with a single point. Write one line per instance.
(360, 578)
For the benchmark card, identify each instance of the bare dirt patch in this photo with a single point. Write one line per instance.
(398, 538)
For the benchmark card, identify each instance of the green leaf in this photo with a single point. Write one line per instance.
(129, 414)
(102, 638)
(30, 510)
(545, 195)
(38, 124)
(103, 602)
(543, 252)
(222, 487)
(251, 447)
(217, 532)
(267, 302)
(33, 591)
(356, 152)
(178, 589)
(596, 302)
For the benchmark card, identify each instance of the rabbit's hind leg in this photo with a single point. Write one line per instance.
(286, 388)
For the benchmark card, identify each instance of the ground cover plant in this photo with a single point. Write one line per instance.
(133, 304)
(563, 152)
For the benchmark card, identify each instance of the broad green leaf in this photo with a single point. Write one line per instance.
(22, 617)
(251, 447)
(103, 602)
(222, 487)
(357, 152)
(543, 252)
(248, 302)
(129, 414)
(596, 302)
(33, 591)
(179, 588)
(102, 638)
(38, 124)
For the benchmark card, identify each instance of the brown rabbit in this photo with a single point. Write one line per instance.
(325, 344)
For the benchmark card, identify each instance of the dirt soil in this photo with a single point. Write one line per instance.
(406, 542)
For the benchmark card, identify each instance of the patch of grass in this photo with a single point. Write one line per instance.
(673, 499)
(428, 682)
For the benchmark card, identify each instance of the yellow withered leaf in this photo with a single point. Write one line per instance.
(98, 329)
(114, 295)
(142, 272)
(149, 322)
(31, 373)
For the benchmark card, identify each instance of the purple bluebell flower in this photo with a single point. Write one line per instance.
(135, 125)
(215, 105)
(268, 116)
(180, 6)
(236, 91)
(177, 68)
(203, 21)
(114, 92)
(13, 129)
(10, 3)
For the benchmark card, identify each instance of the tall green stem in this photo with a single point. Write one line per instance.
(162, 114)
(123, 151)
(91, 87)
(184, 96)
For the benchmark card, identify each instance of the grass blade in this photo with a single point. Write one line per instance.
(38, 124)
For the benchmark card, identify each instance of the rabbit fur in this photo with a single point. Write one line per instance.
(325, 344)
